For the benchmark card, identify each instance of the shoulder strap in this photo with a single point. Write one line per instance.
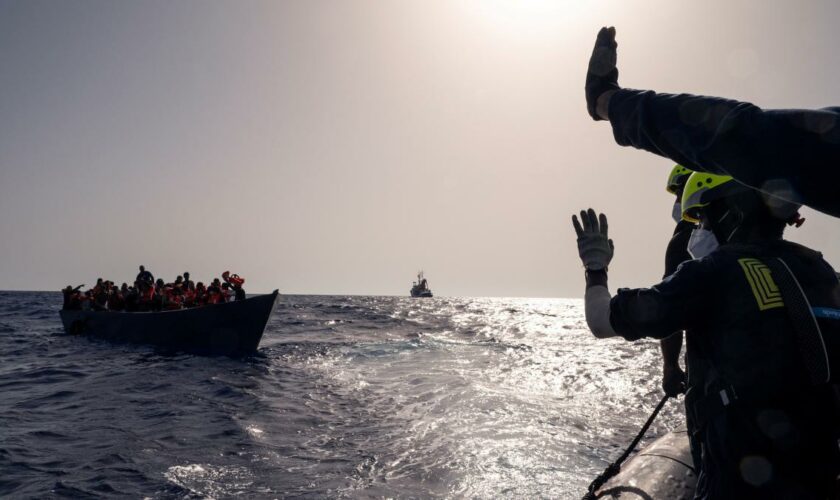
(808, 334)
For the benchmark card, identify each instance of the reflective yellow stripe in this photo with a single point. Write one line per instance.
(765, 290)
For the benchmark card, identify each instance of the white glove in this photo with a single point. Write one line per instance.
(594, 247)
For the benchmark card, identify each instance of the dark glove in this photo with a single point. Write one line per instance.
(594, 246)
(602, 75)
(673, 380)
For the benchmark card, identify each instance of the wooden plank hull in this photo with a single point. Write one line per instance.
(231, 329)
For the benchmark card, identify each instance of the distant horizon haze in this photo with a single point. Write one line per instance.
(338, 148)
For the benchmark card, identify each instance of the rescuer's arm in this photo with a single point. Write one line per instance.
(786, 152)
(595, 250)
(673, 377)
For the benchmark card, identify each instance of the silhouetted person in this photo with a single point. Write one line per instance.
(145, 276)
(71, 298)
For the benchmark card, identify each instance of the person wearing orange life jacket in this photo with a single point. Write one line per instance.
(200, 294)
(236, 283)
(116, 301)
(214, 292)
(189, 297)
(226, 292)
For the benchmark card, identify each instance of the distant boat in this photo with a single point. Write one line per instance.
(229, 329)
(420, 287)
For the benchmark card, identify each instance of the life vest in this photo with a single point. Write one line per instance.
(189, 298)
(747, 340)
(147, 295)
(233, 279)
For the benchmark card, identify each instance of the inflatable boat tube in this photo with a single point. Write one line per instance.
(662, 470)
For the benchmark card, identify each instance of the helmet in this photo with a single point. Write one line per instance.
(677, 178)
(702, 188)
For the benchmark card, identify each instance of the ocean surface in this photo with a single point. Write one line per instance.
(348, 397)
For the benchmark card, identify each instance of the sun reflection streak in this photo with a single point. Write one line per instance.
(486, 397)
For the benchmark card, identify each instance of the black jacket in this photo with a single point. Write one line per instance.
(740, 338)
(723, 136)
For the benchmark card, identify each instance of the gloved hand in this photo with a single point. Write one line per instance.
(602, 75)
(673, 380)
(595, 249)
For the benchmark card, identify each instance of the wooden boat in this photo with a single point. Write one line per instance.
(231, 329)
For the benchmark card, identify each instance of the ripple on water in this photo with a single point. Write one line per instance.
(349, 397)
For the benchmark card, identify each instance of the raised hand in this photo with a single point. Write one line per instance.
(594, 246)
(602, 75)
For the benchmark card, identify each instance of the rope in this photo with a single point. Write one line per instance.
(615, 467)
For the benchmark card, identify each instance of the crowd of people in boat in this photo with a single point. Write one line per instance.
(148, 294)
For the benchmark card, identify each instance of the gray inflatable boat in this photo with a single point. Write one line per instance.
(662, 470)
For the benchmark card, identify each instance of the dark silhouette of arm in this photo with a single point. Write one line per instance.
(793, 154)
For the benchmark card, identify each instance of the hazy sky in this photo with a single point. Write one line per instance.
(338, 147)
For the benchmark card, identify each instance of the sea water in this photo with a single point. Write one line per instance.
(348, 397)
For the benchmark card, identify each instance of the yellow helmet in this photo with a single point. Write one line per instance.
(677, 178)
(702, 188)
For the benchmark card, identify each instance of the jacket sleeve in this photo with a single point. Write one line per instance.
(677, 303)
(797, 149)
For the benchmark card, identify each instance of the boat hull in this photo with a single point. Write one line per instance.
(231, 329)
(661, 471)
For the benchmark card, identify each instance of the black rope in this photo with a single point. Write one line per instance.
(615, 467)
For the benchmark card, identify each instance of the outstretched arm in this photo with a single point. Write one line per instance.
(792, 154)
(596, 251)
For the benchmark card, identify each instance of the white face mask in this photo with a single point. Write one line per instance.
(676, 213)
(701, 243)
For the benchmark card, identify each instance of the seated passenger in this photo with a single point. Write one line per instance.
(214, 292)
(200, 294)
(116, 301)
(132, 299)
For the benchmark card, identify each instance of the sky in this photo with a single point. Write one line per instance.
(339, 147)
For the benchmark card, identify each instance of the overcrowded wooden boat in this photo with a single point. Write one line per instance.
(231, 328)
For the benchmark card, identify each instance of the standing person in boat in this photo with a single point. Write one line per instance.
(188, 282)
(793, 154)
(767, 430)
(236, 283)
(132, 299)
(72, 297)
(145, 276)
(238, 292)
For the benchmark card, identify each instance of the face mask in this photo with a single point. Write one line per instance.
(676, 213)
(701, 243)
